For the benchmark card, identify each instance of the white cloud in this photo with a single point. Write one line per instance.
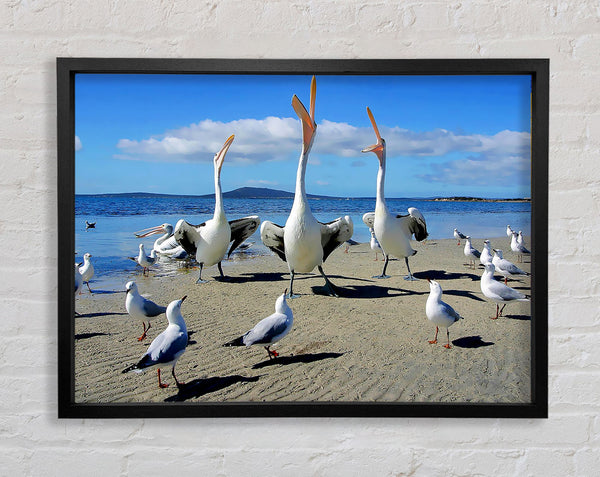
(261, 182)
(322, 183)
(272, 138)
(78, 144)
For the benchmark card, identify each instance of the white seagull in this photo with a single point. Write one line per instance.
(438, 312)
(78, 280)
(209, 240)
(167, 347)
(504, 267)
(509, 231)
(304, 243)
(458, 236)
(518, 248)
(520, 240)
(393, 231)
(87, 270)
(165, 244)
(471, 252)
(375, 243)
(486, 253)
(141, 308)
(498, 292)
(269, 330)
(146, 261)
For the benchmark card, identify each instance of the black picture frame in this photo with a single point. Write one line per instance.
(538, 69)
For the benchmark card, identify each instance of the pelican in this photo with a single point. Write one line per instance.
(165, 244)
(167, 347)
(304, 243)
(209, 240)
(393, 231)
(87, 270)
(146, 261)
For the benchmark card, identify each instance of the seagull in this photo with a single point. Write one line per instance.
(486, 253)
(375, 243)
(141, 308)
(504, 267)
(393, 231)
(165, 244)
(498, 292)
(520, 240)
(518, 248)
(269, 330)
(78, 280)
(438, 312)
(509, 231)
(458, 236)
(209, 240)
(146, 261)
(471, 252)
(87, 270)
(167, 347)
(304, 243)
(90, 225)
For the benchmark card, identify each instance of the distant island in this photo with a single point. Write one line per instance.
(266, 193)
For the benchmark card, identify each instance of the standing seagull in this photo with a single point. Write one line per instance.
(304, 243)
(375, 243)
(471, 252)
(87, 270)
(518, 248)
(146, 261)
(78, 280)
(509, 231)
(269, 330)
(438, 312)
(498, 292)
(141, 308)
(209, 240)
(486, 253)
(458, 236)
(504, 267)
(167, 347)
(393, 231)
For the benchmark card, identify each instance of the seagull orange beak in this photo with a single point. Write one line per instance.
(220, 156)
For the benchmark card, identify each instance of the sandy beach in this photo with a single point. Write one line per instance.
(370, 344)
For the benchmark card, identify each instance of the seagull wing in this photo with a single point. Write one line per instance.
(335, 233)
(187, 235)
(504, 292)
(450, 311)
(272, 236)
(165, 348)
(241, 229)
(267, 330)
(151, 309)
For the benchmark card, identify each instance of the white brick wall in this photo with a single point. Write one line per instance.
(33, 33)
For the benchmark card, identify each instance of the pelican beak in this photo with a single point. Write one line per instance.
(220, 156)
(309, 126)
(379, 147)
(149, 231)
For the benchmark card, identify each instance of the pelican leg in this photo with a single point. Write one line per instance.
(200, 275)
(383, 275)
(409, 277)
(447, 346)
(434, 340)
(502, 309)
(88, 285)
(220, 270)
(291, 294)
(160, 384)
(328, 285)
(179, 383)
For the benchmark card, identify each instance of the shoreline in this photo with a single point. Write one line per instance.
(368, 345)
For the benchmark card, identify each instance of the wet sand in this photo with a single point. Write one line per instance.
(370, 344)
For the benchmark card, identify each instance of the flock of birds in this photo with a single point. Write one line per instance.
(304, 244)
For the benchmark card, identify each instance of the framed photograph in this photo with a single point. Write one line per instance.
(323, 238)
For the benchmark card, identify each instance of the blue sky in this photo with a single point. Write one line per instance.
(445, 135)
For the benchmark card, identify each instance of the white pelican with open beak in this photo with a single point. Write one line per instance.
(209, 240)
(165, 245)
(393, 231)
(304, 243)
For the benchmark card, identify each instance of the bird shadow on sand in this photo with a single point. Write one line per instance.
(471, 342)
(100, 313)
(463, 293)
(518, 317)
(444, 275)
(252, 277)
(190, 340)
(85, 336)
(366, 291)
(106, 292)
(299, 358)
(200, 387)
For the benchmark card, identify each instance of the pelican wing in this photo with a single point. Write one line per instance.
(187, 235)
(415, 223)
(369, 219)
(272, 236)
(241, 229)
(335, 233)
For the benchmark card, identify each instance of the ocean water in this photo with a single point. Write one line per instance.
(118, 217)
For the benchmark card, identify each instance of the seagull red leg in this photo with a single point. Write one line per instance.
(161, 385)
(434, 340)
(179, 383)
(447, 346)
